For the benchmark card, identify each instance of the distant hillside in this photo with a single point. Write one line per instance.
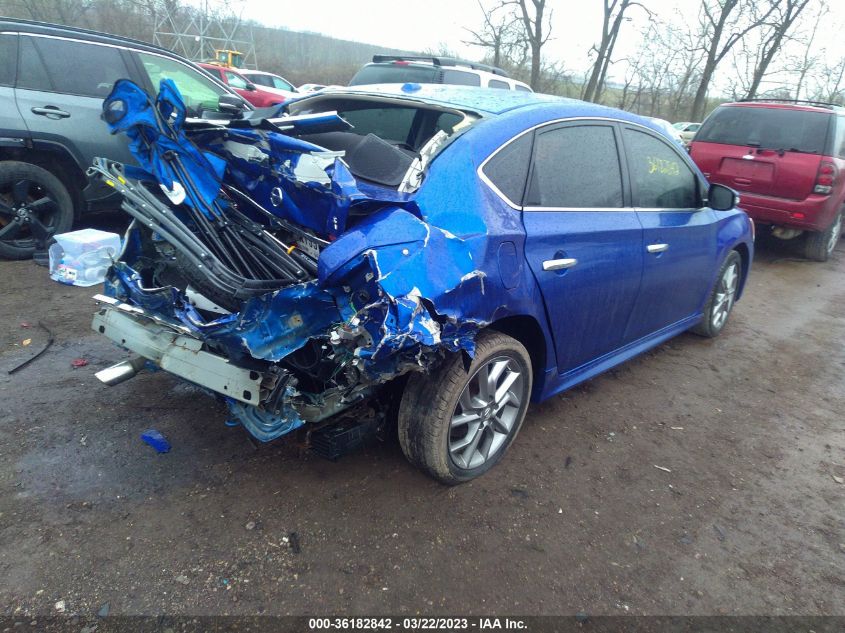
(310, 57)
(300, 57)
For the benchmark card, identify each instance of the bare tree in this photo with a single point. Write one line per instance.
(723, 24)
(802, 65)
(614, 14)
(501, 34)
(537, 28)
(830, 87)
(61, 11)
(784, 18)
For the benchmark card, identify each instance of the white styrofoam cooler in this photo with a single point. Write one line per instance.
(81, 258)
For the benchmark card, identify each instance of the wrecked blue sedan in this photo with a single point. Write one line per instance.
(439, 254)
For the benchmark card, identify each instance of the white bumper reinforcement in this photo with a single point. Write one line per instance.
(172, 348)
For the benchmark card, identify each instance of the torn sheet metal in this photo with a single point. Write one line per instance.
(393, 291)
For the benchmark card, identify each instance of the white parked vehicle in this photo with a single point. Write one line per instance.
(270, 82)
(400, 69)
(687, 130)
(670, 129)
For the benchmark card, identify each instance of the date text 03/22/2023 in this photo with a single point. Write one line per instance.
(416, 624)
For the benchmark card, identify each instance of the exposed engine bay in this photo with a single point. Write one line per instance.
(275, 259)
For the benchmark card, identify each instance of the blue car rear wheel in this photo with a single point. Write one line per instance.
(457, 422)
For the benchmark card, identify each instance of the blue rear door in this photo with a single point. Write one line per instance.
(679, 236)
(583, 241)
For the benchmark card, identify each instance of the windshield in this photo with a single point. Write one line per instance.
(394, 74)
(770, 128)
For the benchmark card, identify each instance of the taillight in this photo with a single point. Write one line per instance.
(825, 178)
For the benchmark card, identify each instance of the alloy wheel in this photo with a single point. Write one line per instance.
(27, 214)
(487, 412)
(725, 295)
(835, 233)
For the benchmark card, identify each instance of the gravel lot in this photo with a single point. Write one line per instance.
(746, 514)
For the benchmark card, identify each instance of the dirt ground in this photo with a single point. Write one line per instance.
(743, 516)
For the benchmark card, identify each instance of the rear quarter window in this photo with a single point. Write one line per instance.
(770, 128)
(508, 169)
(461, 78)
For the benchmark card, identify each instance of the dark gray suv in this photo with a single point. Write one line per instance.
(52, 83)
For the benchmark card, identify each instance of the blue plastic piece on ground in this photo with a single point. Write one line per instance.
(156, 440)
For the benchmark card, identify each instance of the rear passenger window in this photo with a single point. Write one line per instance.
(660, 178)
(32, 72)
(461, 78)
(522, 88)
(576, 167)
(8, 59)
(76, 68)
(508, 169)
(495, 83)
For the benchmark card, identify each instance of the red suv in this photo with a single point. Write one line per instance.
(787, 160)
(258, 95)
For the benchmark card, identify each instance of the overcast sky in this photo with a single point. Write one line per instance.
(422, 24)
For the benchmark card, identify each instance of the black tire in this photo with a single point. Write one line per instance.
(820, 244)
(52, 210)
(431, 401)
(711, 326)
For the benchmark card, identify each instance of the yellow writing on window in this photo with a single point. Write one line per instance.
(662, 166)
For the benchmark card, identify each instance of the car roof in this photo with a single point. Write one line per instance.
(471, 98)
(806, 107)
(490, 103)
(46, 28)
(482, 70)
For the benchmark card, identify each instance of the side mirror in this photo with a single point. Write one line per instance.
(721, 198)
(231, 104)
(249, 86)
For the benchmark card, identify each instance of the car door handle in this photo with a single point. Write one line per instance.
(51, 111)
(559, 264)
(657, 248)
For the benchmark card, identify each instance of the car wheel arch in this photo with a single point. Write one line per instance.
(59, 161)
(745, 256)
(527, 330)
